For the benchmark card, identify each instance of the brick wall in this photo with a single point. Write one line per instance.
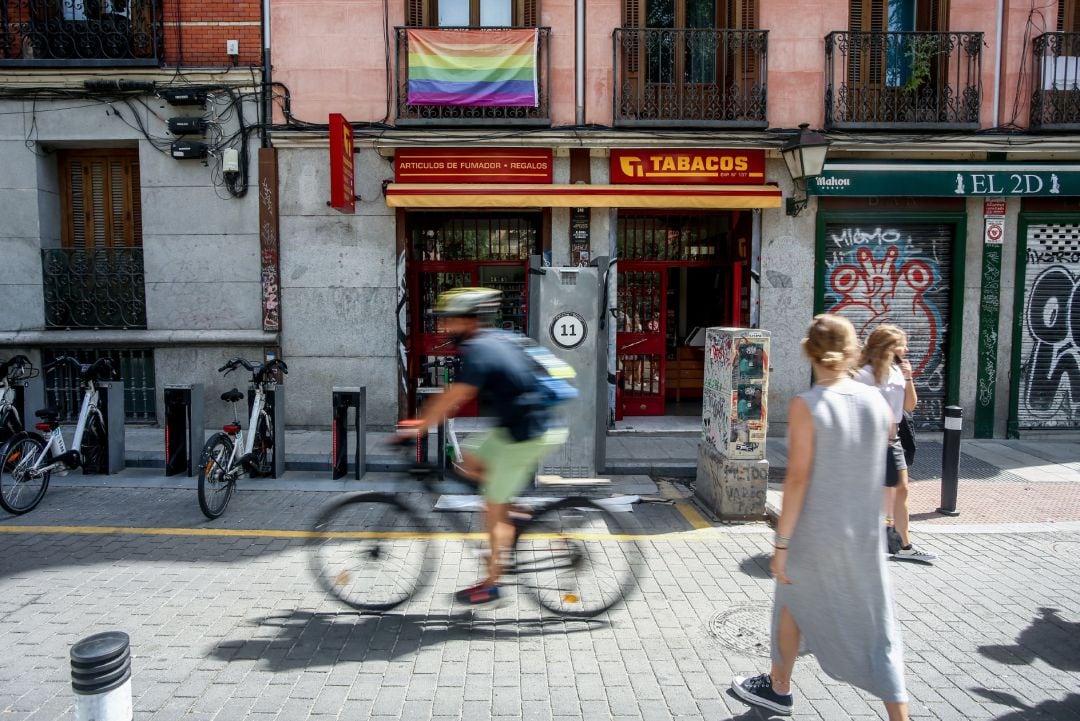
(205, 26)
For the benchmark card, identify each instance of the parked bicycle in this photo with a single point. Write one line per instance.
(12, 371)
(372, 550)
(28, 459)
(231, 453)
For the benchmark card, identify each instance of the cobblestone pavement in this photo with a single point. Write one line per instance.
(230, 625)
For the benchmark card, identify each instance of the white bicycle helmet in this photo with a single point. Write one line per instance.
(468, 302)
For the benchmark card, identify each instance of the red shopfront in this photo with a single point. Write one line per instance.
(475, 216)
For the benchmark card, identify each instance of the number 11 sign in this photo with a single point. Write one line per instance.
(568, 330)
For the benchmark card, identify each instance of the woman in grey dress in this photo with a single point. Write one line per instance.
(832, 591)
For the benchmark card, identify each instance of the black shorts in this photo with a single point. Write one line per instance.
(894, 463)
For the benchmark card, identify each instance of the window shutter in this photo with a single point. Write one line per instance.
(632, 21)
(530, 13)
(414, 13)
(101, 203)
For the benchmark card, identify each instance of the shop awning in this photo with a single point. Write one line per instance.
(567, 195)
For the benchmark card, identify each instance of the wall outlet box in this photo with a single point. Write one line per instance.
(188, 150)
(187, 125)
(232, 47)
(230, 161)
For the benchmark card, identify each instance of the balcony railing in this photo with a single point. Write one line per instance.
(902, 80)
(1055, 96)
(694, 78)
(80, 32)
(101, 288)
(408, 114)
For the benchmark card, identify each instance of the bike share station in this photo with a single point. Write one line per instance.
(111, 405)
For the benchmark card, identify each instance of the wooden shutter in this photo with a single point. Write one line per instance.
(743, 15)
(632, 14)
(866, 60)
(414, 13)
(1068, 19)
(528, 13)
(100, 199)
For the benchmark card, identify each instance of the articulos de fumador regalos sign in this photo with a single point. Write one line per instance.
(946, 180)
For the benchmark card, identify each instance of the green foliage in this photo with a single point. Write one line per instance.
(920, 53)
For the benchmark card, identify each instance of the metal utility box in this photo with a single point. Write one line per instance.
(343, 399)
(111, 405)
(185, 428)
(566, 317)
(736, 391)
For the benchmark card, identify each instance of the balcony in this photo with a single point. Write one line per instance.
(84, 33)
(902, 80)
(478, 114)
(1055, 98)
(691, 78)
(101, 288)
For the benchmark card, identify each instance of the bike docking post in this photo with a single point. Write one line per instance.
(423, 448)
(111, 405)
(342, 400)
(275, 406)
(29, 396)
(950, 460)
(101, 677)
(185, 428)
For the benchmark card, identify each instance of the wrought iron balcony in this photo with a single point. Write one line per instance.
(101, 288)
(80, 32)
(1055, 95)
(693, 78)
(457, 115)
(902, 80)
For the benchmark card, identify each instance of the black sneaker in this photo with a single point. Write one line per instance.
(758, 691)
(893, 541)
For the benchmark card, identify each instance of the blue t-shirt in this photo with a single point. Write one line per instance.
(505, 377)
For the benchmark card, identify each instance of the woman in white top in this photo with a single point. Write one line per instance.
(883, 364)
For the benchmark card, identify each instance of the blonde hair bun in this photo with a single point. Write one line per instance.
(830, 340)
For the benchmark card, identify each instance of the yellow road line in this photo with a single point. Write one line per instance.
(282, 533)
(692, 516)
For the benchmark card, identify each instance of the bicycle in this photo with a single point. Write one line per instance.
(229, 454)
(559, 555)
(14, 370)
(28, 459)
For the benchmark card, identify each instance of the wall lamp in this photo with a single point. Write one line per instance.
(804, 153)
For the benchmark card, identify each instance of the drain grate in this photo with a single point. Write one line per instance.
(745, 629)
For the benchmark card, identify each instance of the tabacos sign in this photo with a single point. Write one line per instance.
(688, 167)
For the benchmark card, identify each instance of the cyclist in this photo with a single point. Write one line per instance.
(497, 371)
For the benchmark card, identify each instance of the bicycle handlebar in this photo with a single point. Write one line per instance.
(258, 371)
(18, 367)
(102, 368)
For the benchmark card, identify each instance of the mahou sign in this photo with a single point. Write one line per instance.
(473, 165)
(688, 167)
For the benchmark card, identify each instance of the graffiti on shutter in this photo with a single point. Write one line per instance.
(897, 274)
(1050, 340)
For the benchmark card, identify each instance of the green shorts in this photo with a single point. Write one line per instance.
(509, 464)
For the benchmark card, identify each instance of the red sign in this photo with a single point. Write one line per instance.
(473, 165)
(681, 167)
(342, 177)
(994, 208)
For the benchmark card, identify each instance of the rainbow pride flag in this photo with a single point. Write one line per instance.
(473, 67)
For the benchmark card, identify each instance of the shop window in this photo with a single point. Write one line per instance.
(674, 237)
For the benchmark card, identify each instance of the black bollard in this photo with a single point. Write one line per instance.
(101, 677)
(950, 460)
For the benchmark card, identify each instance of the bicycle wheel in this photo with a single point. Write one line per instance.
(215, 487)
(566, 558)
(92, 449)
(378, 567)
(21, 490)
(262, 451)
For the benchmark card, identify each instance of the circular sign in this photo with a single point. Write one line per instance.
(569, 330)
(994, 232)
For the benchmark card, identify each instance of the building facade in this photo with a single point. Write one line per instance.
(647, 132)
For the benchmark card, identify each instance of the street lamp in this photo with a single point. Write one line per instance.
(804, 153)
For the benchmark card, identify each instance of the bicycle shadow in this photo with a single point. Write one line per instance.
(1049, 638)
(307, 638)
(1069, 707)
(757, 566)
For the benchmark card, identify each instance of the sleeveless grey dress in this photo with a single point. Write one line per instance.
(840, 594)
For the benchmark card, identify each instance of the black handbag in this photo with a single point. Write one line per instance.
(906, 431)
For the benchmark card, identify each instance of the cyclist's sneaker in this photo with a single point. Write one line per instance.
(758, 691)
(913, 554)
(478, 595)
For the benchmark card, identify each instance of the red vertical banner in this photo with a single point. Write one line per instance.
(269, 243)
(342, 178)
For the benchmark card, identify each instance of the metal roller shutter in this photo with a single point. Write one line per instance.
(1050, 335)
(897, 274)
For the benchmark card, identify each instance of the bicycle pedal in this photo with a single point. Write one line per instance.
(71, 459)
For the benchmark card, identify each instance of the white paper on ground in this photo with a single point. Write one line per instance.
(617, 504)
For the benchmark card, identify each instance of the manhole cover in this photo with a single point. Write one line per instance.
(743, 628)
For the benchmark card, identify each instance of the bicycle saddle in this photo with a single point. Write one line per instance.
(47, 414)
(232, 396)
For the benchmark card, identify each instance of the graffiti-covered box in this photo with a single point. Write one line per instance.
(735, 410)
(732, 489)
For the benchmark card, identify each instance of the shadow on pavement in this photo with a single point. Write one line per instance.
(1049, 638)
(756, 566)
(305, 638)
(1067, 708)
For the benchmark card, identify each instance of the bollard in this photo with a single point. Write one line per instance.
(101, 677)
(950, 460)
(341, 400)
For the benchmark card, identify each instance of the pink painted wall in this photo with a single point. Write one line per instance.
(797, 58)
(330, 53)
(601, 19)
(1017, 56)
(979, 16)
(559, 16)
